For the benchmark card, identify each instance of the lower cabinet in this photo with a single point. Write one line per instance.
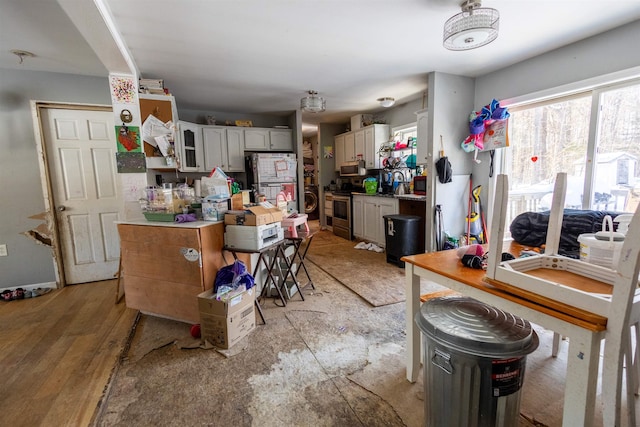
(368, 213)
(164, 267)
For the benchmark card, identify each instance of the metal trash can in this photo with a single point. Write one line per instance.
(401, 237)
(474, 362)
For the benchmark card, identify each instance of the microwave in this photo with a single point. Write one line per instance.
(353, 168)
(420, 185)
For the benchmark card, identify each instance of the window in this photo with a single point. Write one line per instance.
(593, 136)
(403, 133)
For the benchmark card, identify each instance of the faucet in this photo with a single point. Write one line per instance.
(394, 176)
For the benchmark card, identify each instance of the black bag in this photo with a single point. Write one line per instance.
(443, 167)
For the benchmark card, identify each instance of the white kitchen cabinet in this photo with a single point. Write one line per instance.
(358, 145)
(281, 139)
(374, 208)
(363, 144)
(349, 147)
(357, 211)
(258, 139)
(338, 148)
(223, 148)
(214, 141)
(235, 150)
(374, 137)
(189, 147)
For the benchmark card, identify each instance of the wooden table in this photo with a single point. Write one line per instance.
(585, 330)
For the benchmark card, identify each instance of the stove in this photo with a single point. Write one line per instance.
(342, 217)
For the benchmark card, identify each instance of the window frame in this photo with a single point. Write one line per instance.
(595, 92)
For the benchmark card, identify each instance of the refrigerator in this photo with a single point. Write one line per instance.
(271, 173)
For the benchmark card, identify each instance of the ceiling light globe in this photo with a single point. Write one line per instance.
(386, 102)
(313, 103)
(471, 29)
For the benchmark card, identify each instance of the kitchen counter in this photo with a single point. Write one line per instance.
(415, 197)
(165, 265)
(192, 224)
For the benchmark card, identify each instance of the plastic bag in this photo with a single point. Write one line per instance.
(215, 185)
(232, 278)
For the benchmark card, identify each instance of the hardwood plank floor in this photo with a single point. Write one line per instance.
(57, 352)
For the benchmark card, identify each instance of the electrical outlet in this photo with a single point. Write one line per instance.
(3, 250)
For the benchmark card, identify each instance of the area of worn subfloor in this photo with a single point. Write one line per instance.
(330, 360)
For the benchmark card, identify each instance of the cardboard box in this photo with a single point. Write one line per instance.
(361, 120)
(223, 323)
(254, 215)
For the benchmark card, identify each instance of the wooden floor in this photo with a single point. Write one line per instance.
(57, 352)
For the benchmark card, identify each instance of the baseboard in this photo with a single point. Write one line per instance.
(34, 286)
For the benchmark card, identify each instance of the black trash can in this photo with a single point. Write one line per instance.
(474, 362)
(401, 237)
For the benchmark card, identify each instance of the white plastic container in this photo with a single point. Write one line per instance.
(602, 248)
(214, 210)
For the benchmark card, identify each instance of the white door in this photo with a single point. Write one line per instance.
(81, 157)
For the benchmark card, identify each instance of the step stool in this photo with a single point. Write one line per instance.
(292, 224)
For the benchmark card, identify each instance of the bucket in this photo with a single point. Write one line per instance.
(602, 248)
(370, 186)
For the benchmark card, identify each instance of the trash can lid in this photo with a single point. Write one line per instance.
(473, 327)
(402, 217)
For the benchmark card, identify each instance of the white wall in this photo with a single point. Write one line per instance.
(29, 262)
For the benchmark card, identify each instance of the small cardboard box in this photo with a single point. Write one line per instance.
(223, 323)
(254, 215)
(361, 120)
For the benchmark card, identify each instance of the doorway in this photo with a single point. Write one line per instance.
(82, 193)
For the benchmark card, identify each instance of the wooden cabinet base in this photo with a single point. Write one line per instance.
(165, 267)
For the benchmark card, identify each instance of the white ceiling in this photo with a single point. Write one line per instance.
(261, 56)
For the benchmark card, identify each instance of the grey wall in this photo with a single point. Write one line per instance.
(596, 56)
(21, 191)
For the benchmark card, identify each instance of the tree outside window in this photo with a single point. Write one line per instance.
(556, 136)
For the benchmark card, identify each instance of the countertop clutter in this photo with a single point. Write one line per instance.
(169, 268)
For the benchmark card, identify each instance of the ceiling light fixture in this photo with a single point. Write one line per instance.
(313, 103)
(476, 26)
(22, 54)
(386, 101)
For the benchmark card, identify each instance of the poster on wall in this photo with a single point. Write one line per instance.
(328, 152)
(131, 162)
(123, 90)
(128, 139)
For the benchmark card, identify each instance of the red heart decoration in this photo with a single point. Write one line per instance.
(534, 159)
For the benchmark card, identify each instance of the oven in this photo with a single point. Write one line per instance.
(342, 215)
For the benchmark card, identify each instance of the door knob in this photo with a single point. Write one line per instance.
(62, 208)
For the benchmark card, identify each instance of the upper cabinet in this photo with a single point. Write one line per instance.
(259, 139)
(281, 139)
(189, 147)
(163, 107)
(223, 148)
(362, 144)
(338, 149)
